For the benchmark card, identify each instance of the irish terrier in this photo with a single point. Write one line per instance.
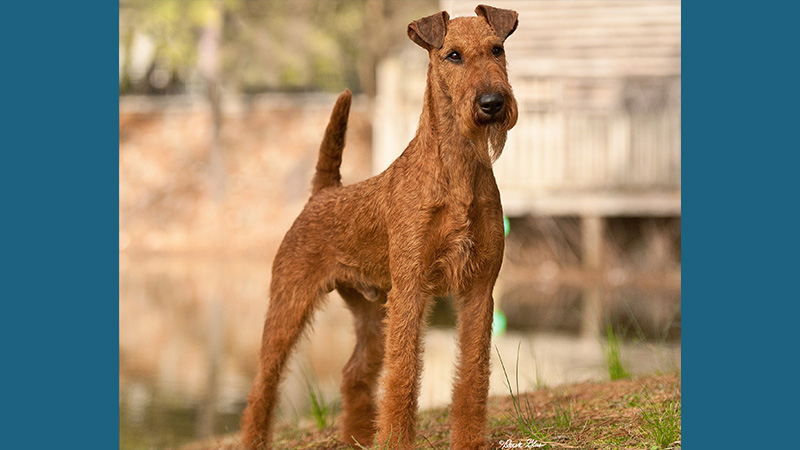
(429, 225)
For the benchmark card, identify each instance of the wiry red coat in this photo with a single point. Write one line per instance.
(429, 225)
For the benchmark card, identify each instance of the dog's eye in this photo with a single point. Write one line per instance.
(497, 50)
(454, 57)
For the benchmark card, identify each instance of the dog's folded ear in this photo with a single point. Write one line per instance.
(502, 21)
(429, 32)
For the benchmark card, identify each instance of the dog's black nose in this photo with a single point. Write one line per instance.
(491, 104)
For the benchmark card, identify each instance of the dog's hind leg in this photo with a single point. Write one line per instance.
(294, 294)
(360, 375)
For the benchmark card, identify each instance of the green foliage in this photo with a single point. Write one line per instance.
(563, 414)
(271, 45)
(662, 422)
(523, 415)
(393, 438)
(632, 400)
(537, 368)
(616, 369)
(173, 26)
(322, 412)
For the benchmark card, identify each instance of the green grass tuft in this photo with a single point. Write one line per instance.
(523, 415)
(662, 423)
(616, 370)
(387, 445)
(322, 412)
(563, 414)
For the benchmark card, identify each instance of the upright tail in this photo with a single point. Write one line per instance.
(330, 151)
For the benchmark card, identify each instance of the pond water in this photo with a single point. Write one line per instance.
(190, 328)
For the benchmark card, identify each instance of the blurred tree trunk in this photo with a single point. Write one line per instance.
(385, 22)
(374, 28)
(209, 65)
(125, 82)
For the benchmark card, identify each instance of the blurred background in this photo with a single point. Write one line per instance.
(222, 105)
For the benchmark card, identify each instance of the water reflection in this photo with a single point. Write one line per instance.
(190, 331)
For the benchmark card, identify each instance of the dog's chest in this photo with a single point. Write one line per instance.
(452, 242)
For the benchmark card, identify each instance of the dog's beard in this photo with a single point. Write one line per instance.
(489, 138)
(497, 141)
(481, 151)
(487, 142)
(498, 131)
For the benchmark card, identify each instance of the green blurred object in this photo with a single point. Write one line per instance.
(498, 323)
(506, 224)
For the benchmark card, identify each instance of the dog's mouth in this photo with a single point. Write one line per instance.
(488, 119)
(484, 120)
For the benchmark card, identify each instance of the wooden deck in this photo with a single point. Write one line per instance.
(598, 85)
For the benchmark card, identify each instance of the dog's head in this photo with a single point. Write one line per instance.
(468, 66)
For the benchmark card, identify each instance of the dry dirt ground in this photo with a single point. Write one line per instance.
(600, 415)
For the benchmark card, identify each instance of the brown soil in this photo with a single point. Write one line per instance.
(598, 415)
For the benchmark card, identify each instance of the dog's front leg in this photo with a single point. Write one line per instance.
(471, 386)
(398, 409)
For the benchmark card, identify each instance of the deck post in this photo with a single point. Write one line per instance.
(592, 229)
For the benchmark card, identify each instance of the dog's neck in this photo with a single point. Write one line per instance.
(440, 135)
